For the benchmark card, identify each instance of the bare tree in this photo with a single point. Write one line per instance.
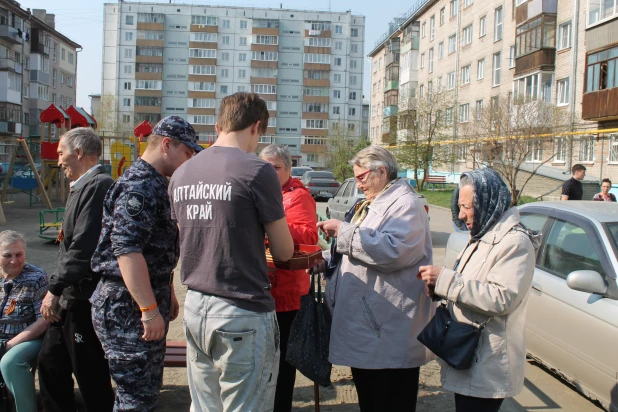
(424, 122)
(515, 137)
(342, 146)
(106, 115)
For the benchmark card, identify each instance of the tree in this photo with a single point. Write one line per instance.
(342, 146)
(423, 123)
(515, 136)
(106, 116)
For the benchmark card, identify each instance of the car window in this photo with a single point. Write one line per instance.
(341, 189)
(569, 248)
(349, 189)
(320, 175)
(534, 221)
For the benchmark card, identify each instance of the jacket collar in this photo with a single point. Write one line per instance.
(507, 221)
(381, 203)
(97, 170)
(292, 184)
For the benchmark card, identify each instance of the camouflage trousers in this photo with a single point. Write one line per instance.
(136, 365)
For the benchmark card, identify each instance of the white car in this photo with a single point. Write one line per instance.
(572, 318)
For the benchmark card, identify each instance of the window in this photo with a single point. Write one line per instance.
(70, 81)
(336, 110)
(195, 69)
(243, 24)
(564, 36)
(586, 149)
(337, 94)
(202, 86)
(533, 87)
(313, 157)
(498, 24)
(535, 151)
(128, 53)
(454, 5)
(464, 113)
(423, 30)
(152, 84)
(128, 36)
(264, 88)
(318, 58)
(226, 24)
(201, 103)
(440, 49)
(338, 29)
(127, 85)
(600, 10)
(126, 102)
(480, 69)
(561, 145)
(128, 69)
(223, 89)
(316, 124)
(353, 64)
(351, 127)
(129, 20)
(202, 20)
(495, 79)
(432, 27)
(540, 32)
(225, 73)
(482, 26)
(465, 74)
(203, 53)
(317, 42)
(562, 93)
(204, 119)
(353, 80)
(225, 40)
(462, 153)
(225, 56)
(569, 248)
(351, 111)
(63, 53)
(54, 75)
(126, 118)
(352, 95)
(243, 41)
(338, 45)
(448, 116)
(337, 60)
(62, 77)
(450, 81)
(478, 109)
(512, 57)
(452, 43)
(422, 60)
(421, 91)
(354, 33)
(440, 84)
(267, 39)
(337, 78)
(265, 56)
(441, 16)
(242, 57)
(467, 3)
(242, 73)
(467, 35)
(431, 60)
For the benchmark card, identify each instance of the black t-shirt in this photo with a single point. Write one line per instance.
(573, 189)
(222, 198)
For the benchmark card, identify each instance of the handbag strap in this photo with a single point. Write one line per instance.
(312, 288)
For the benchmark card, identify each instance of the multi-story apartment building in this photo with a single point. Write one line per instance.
(164, 59)
(38, 65)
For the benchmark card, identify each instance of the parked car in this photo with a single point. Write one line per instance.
(299, 171)
(572, 317)
(320, 184)
(347, 195)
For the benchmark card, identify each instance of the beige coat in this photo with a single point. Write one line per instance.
(495, 282)
(379, 304)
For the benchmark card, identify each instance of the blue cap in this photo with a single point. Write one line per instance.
(175, 127)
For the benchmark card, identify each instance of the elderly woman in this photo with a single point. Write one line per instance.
(288, 285)
(604, 195)
(21, 323)
(490, 283)
(378, 304)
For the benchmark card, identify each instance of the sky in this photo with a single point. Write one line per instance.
(82, 22)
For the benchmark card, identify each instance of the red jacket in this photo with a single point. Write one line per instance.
(289, 285)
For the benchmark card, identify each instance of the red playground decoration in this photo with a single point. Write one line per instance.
(142, 130)
(79, 118)
(54, 115)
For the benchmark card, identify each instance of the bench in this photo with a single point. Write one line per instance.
(432, 181)
(175, 355)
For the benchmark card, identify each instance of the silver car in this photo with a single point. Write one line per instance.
(320, 184)
(299, 171)
(572, 318)
(348, 194)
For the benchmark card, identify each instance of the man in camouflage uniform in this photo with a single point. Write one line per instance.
(137, 252)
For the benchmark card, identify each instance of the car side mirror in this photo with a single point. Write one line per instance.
(587, 281)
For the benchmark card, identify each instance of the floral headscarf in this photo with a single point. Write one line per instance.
(492, 198)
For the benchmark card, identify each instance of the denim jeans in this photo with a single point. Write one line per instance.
(233, 355)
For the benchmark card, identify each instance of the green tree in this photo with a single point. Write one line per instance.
(342, 146)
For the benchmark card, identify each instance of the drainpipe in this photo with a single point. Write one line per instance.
(573, 85)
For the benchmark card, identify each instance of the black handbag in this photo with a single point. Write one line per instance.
(454, 342)
(310, 336)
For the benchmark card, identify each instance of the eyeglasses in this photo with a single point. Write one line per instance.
(361, 178)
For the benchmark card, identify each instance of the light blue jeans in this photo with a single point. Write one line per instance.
(16, 367)
(233, 355)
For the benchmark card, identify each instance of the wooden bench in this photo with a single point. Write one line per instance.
(175, 355)
(432, 181)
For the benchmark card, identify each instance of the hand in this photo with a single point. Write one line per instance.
(429, 274)
(50, 308)
(155, 329)
(330, 227)
(175, 308)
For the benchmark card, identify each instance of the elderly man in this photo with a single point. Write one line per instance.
(71, 345)
(138, 250)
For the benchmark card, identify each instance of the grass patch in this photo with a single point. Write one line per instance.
(526, 199)
(438, 197)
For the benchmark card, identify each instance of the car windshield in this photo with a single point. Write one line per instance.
(612, 228)
(320, 175)
(299, 171)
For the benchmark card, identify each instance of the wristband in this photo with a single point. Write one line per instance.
(151, 307)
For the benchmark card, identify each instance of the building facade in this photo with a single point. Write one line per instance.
(38, 66)
(170, 59)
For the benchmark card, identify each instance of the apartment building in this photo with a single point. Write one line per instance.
(178, 59)
(38, 65)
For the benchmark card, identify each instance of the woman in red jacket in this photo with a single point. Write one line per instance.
(289, 285)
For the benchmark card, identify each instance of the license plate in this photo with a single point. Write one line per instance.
(324, 193)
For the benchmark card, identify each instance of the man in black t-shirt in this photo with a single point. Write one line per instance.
(572, 189)
(225, 200)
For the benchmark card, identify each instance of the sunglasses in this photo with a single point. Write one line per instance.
(361, 178)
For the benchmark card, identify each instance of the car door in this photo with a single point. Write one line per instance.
(572, 331)
(335, 207)
(348, 198)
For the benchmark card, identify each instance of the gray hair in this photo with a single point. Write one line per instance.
(9, 237)
(374, 156)
(83, 138)
(278, 150)
(466, 180)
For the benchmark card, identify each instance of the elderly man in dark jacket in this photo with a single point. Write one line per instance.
(71, 345)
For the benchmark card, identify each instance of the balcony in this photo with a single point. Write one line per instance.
(313, 148)
(534, 8)
(391, 111)
(543, 59)
(37, 42)
(39, 77)
(601, 105)
(391, 85)
(10, 127)
(11, 34)
(7, 64)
